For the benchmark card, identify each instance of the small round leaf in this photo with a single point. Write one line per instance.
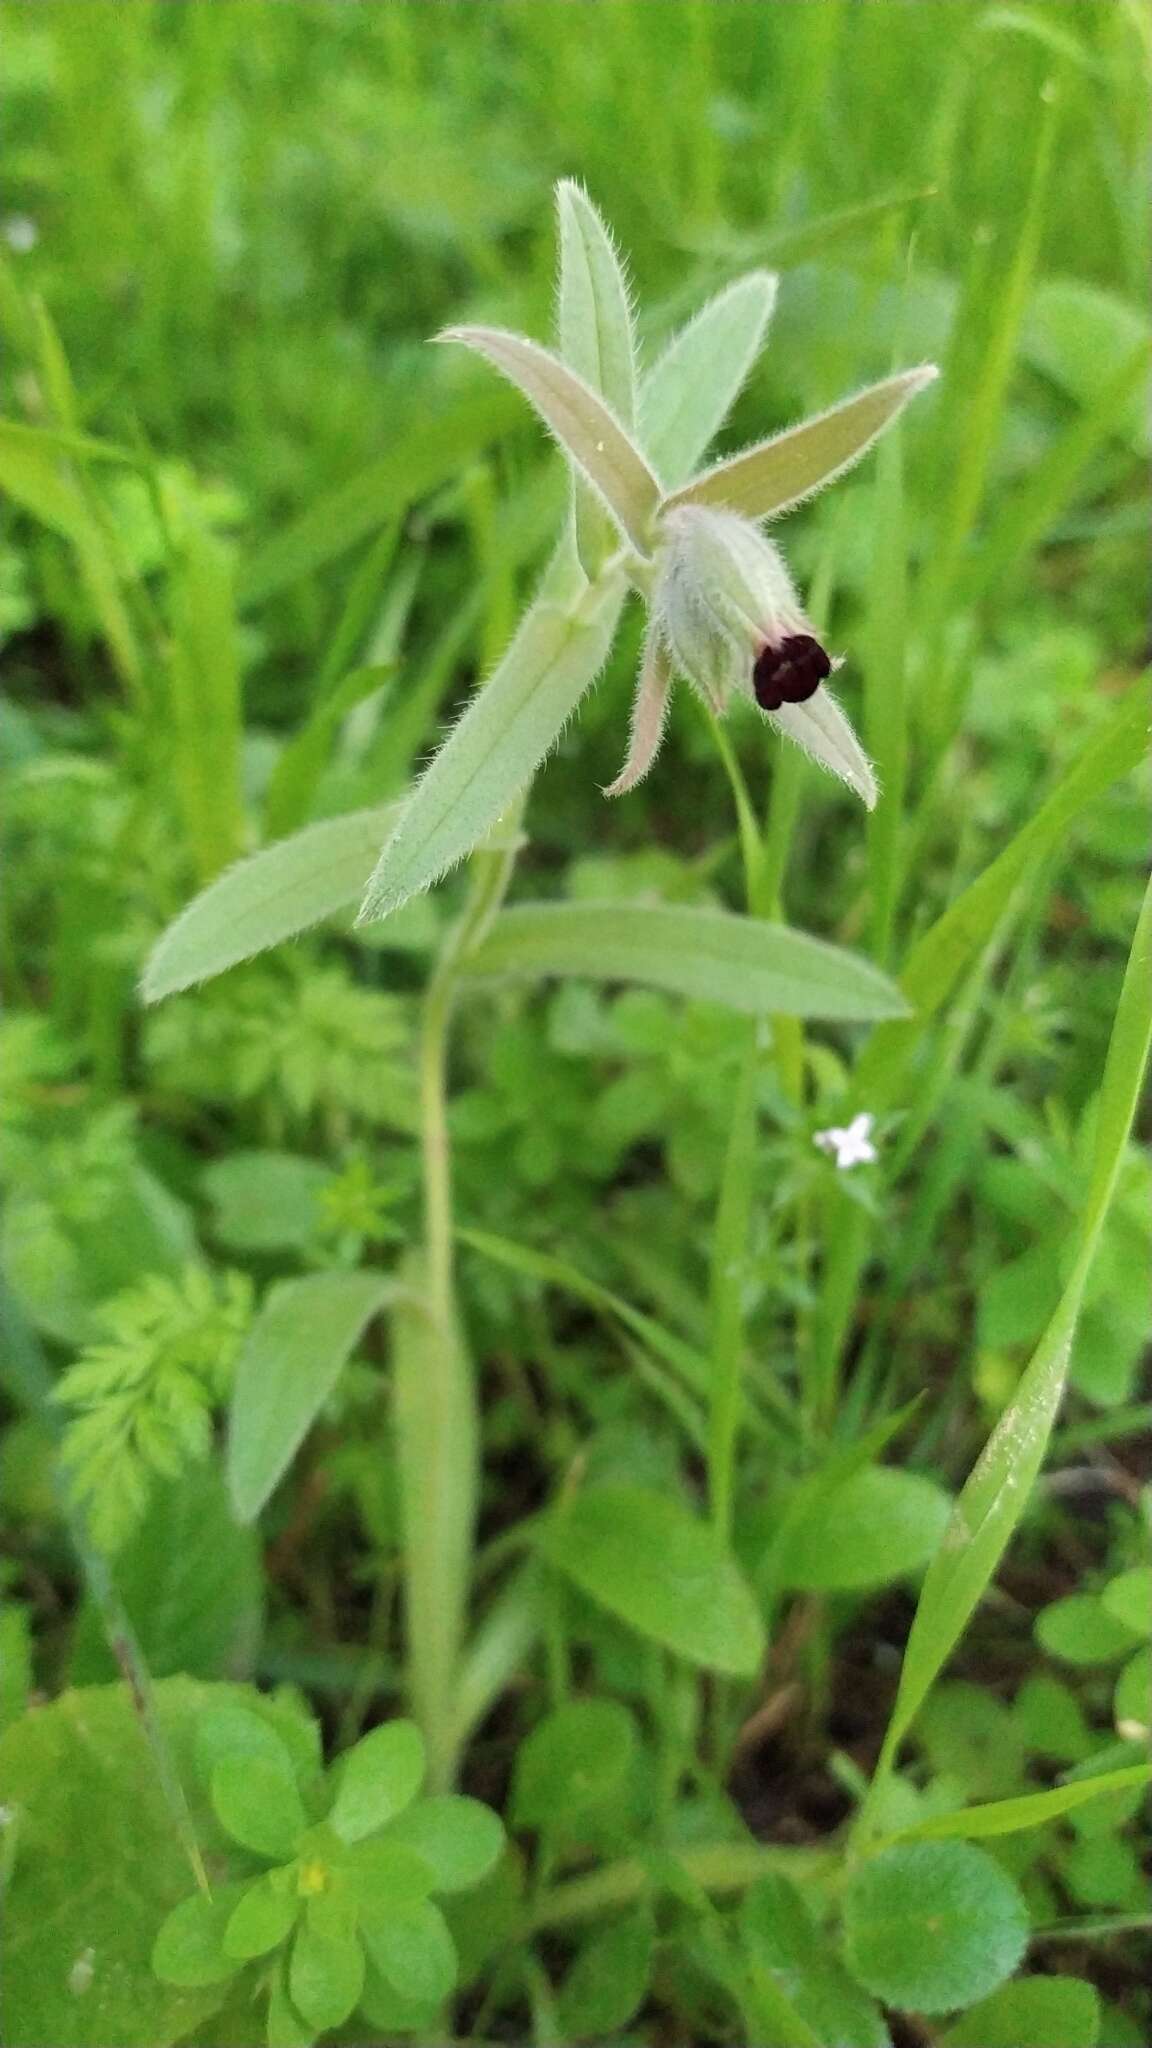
(1080, 1630)
(1047, 2012)
(377, 1779)
(1132, 1701)
(575, 1759)
(189, 1949)
(933, 1925)
(258, 1802)
(325, 1975)
(413, 1949)
(262, 1919)
(458, 1839)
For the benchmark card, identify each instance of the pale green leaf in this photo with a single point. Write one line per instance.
(588, 431)
(594, 314)
(821, 730)
(687, 394)
(290, 1362)
(265, 899)
(490, 757)
(778, 473)
(708, 955)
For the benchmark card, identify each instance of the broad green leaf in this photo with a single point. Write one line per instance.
(291, 1360)
(572, 1761)
(377, 1779)
(687, 394)
(779, 472)
(100, 1865)
(286, 2028)
(821, 730)
(412, 1948)
(879, 1524)
(587, 430)
(781, 1937)
(654, 1565)
(1030, 1810)
(260, 1921)
(1081, 1630)
(714, 956)
(1128, 1598)
(192, 1586)
(933, 1925)
(606, 1984)
(258, 1802)
(458, 1839)
(1081, 336)
(265, 899)
(991, 1503)
(189, 1948)
(325, 1975)
(490, 757)
(382, 1869)
(1045, 2012)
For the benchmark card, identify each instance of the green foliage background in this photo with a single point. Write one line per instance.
(257, 543)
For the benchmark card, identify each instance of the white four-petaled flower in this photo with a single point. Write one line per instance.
(851, 1145)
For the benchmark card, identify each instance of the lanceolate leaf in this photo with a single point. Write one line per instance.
(595, 325)
(595, 318)
(266, 899)
(686, 396)
(491, 756)
(590, 434)
(711, 955)
(778, 473)
(290, 1363)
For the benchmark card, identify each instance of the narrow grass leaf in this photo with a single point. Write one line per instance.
(588, 431)
(714, 956)
(290, 1362)
(1031, 1810)
(490, 757)
(994, 1498)
(780, 472)
(938, 959)
(686, 396)
(269, 897)
(430, 452)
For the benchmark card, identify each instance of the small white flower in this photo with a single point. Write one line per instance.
(852, 1146)
(21, 233)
